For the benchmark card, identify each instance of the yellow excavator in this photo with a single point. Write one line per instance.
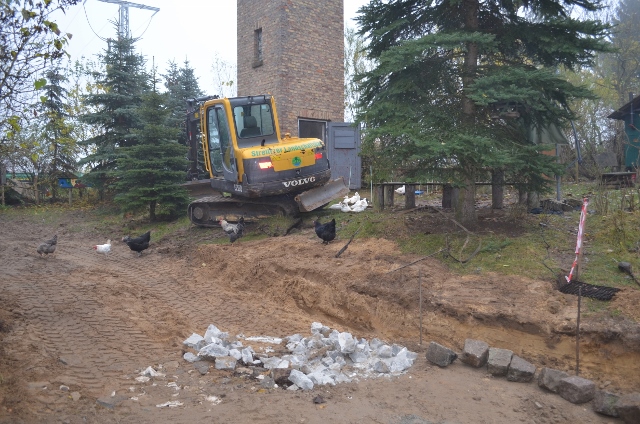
(239, 165)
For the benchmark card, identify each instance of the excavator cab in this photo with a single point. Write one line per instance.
(245, 158)
(254, 123)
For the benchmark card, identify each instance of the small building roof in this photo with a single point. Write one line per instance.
(624, 111)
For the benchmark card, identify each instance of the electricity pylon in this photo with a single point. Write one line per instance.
(123, 23)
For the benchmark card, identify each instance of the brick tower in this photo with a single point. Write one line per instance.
(294, 50)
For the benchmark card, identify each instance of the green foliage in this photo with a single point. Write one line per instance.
(57, 132)
(440, 72)
(181, 84)
(113, 111)
(30, 43)
(149, 173)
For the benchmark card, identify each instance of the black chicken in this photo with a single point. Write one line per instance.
(48, 246)
(239, 230)
(326, 231)
(138, 244)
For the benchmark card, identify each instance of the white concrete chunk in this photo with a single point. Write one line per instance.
(190, 357)
(195, 341)
(212, 351)
(299, 379)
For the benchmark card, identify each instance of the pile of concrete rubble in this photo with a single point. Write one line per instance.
(326, 357)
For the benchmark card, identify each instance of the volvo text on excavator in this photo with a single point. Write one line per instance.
(240, 165)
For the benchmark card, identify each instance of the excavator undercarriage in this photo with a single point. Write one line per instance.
(210, 207)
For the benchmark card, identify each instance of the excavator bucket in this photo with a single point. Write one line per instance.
(318, 197)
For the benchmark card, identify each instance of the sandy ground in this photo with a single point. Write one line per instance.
(78, 327)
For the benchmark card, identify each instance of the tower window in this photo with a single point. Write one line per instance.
(257, 47)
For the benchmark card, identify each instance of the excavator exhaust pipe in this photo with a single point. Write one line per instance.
(318, 197)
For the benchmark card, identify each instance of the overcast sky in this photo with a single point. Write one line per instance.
(189, 29)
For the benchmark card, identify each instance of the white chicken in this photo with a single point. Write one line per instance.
(337, 206)
(351, 200)
(103, 248)
(230, 228)
(234, 231)
(400, 190)
(345, 207)
(360, 205)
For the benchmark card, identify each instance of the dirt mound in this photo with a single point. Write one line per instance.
(89, 323)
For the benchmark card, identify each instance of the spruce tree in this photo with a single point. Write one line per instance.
(182, 84)
(150, 172)
(57, 130)
(123, 80)
(462, 87)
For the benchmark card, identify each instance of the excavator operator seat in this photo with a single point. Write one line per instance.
(250, 127)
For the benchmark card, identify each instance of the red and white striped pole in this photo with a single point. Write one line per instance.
(583, 215)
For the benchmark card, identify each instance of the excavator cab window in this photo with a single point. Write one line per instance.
(254, 120)
(218, 135)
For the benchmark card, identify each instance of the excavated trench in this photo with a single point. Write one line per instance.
(356, 293)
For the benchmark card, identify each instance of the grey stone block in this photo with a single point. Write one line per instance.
(576, 389)
(225, 363)
(111, 401)
(268, 383)
(202, 367)
(549, 378)
(498, 361)
(440, 355)
(628, 407)
(475, 353)
(605, 403)
(520, 370)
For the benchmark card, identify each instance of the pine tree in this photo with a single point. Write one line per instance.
(149, 173)
(123, 80)
(460, 87)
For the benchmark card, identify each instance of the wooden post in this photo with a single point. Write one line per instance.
(420, 296)
(2, 195)
(388, 195)
(378, 204)
(497, 189)
(578, 332)
(70, 196)
(578, 266)
(533, 199)
(449, 196)
(409, 196)
(36, 194)
(522, 197)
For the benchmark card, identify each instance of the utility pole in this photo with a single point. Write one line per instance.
(123, 24)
